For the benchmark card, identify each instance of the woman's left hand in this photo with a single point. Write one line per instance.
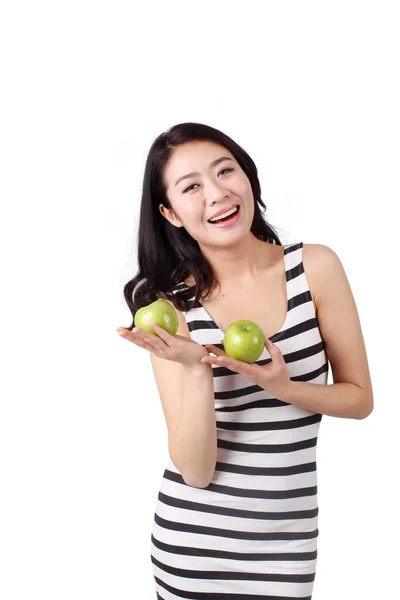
(274, 376)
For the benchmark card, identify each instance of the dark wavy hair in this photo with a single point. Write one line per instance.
(167, 255)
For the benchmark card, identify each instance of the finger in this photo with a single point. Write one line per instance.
(241, 367)
(153, 338)
(138, 340)
(161, 333)
(214, 350)
(209, 360)
(143, 339)
(248, 370)
(275, 352)
(122, 332)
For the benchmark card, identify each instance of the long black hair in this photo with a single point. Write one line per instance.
(167, 255)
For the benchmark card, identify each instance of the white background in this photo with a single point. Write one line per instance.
(311, 91)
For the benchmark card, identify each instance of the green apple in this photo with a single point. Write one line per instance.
(244, 340)
(159, 312)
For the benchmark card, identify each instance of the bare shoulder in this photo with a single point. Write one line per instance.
(327, 277)
(337, 316)
(320, 263)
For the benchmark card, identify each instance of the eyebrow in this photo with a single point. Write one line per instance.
(213, 164)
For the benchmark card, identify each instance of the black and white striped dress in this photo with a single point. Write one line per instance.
(252, 533)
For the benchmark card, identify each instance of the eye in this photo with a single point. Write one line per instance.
(227, 169)
(193, 184)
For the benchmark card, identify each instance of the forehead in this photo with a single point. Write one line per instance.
(193, 156)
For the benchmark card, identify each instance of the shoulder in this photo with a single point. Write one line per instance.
(322, 267)
(318, 255)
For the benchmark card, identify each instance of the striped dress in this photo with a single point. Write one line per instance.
(252, 533)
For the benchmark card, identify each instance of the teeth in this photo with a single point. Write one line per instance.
(225, 214)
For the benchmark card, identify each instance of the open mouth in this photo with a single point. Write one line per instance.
(229, 219)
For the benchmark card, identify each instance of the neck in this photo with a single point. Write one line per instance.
(243, 263)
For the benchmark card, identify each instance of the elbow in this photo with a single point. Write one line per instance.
(202, 480)
(366, 408)
(198, 474)
(197, 483)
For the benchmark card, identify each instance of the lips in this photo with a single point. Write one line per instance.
(220, 212)
(228, 221)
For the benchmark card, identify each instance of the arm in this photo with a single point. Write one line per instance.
(351, 393)
(193, 445)
(187, 398)
(335, 399)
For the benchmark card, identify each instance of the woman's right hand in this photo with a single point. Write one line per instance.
(177, 348)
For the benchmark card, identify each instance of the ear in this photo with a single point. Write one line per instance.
(170, 215)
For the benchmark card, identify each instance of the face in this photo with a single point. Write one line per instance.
(195, 199)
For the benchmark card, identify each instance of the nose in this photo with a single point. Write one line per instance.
(214, 191)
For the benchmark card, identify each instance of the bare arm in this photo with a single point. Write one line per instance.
(351, 393)
(193, 445)
(187, 397)
(334, 399)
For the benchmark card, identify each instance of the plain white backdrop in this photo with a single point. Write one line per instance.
(311, 91)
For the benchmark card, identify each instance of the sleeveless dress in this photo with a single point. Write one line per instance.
(252, 533)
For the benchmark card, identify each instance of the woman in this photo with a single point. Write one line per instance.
(237, 512)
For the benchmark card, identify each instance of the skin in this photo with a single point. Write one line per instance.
(235, 254)
(238, 259)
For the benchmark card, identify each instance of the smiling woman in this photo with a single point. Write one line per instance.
(174, 227)
(237, 510)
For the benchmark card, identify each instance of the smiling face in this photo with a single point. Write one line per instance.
(201, 178)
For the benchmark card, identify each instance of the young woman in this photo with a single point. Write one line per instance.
(237, 511)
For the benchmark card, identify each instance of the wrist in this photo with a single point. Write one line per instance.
(197, 368)
(286, 392)
(281, 391)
